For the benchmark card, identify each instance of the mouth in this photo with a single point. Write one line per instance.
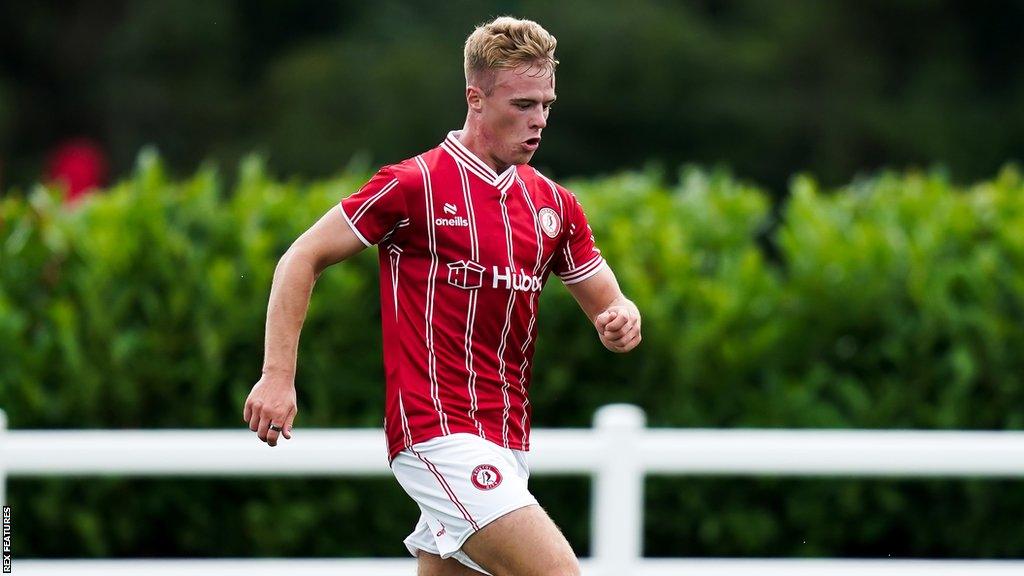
(532, 143)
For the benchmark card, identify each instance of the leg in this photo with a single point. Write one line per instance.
(524, 542)
(432, 565)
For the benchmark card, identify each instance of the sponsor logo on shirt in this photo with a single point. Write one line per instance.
(456, 221)
(509, 279)
(465, 274)
(486, 477)
(469, 275)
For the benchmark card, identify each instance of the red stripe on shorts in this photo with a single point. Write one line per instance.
(448, 490)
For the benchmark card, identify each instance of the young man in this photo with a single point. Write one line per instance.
(468, 233)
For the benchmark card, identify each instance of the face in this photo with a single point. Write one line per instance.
(513, 115)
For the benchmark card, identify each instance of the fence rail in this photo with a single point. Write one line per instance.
(618, 452)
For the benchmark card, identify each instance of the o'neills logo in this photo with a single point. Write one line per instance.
(510, 280)
(456, 221)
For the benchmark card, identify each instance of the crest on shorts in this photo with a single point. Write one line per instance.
(549, 222)
(486, 477)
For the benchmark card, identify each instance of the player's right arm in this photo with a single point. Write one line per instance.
(272, 399)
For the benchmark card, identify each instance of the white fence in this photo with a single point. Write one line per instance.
(617, 453)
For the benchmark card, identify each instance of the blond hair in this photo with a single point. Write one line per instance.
(508, 43)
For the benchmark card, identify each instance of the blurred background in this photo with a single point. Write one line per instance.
(767, 88)
(815, 204)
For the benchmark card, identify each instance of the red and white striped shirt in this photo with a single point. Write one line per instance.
(464, 253)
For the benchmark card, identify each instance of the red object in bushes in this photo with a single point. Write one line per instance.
(79, 164)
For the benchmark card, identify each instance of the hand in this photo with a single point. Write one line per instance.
(271, 401)
(619, 328)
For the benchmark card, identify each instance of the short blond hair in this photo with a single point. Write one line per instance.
(507, 43)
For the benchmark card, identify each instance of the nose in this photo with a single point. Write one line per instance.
(539, 119)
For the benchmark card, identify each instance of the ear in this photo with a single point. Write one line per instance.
(474, 98)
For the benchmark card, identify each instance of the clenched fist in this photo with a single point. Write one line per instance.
(619, 328)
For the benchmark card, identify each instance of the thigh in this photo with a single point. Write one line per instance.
(428, 564)
(461, 483)
(524, 542)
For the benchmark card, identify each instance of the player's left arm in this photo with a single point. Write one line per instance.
(615, 317)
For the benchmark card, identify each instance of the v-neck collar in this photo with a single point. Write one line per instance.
(463, 156)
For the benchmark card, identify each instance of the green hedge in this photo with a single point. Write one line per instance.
(897, 301)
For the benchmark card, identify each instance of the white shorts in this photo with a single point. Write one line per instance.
(461, 483)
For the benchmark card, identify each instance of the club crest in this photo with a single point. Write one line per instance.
(486, 477)
(549, 222)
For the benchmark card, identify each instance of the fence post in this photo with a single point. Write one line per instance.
(3, 458)
(618, 495)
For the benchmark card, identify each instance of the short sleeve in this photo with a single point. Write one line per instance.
(377, 208)
(578, 257)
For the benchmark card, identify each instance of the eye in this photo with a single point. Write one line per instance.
(523, 105)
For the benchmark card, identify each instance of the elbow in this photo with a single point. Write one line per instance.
(299, 255)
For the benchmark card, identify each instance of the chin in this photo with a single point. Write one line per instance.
(524, 158)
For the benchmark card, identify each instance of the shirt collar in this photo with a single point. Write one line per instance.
(471, 162)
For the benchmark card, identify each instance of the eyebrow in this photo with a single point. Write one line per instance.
(532, 100)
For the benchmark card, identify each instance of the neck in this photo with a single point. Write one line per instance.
(473, 138)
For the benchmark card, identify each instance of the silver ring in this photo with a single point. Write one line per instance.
(275, 428)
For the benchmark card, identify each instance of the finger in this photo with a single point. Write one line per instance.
(272, 435)
(602, 320)
(275, 425)
(619, 336)
(621, 339)
(622, 334)
(264, 427)
(635, 342)
(288, 423)
(252, 408)
(254, 420)
(629, 344)
(616, 323)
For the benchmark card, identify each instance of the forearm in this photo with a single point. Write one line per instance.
(293, 283)
(615, 317)
(272, 405)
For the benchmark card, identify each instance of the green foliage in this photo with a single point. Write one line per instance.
(896, 301)
(769, 88)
